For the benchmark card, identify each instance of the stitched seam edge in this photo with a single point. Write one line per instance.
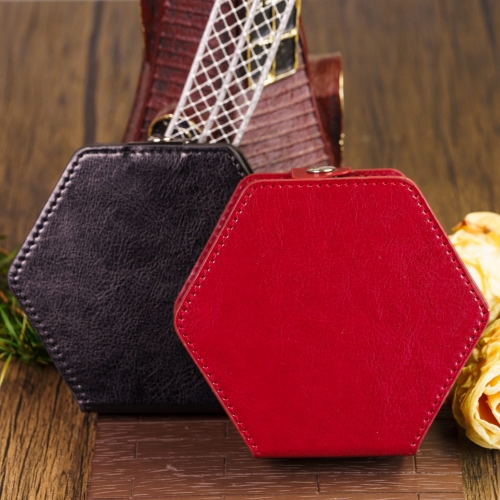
(472, 339)
(30, 244)
(232, 221)
(43, 221)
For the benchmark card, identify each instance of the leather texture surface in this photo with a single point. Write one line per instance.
(100, 271)
(331, 316)
(327, 83)
(285, 131)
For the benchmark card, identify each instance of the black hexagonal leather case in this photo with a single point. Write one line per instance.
(100, 271)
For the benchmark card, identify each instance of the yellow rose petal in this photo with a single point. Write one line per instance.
(476, 398)
(483, 222)
(477, 241)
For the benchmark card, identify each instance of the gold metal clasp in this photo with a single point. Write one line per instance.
(261, 38)
(158, 129)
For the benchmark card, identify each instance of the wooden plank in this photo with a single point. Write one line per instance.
(45, 442)
(335, 496)
(54, 56)
(105, 451)
(176, 497)
(440, 496)
(68, 75)
(186, 417)
(250, 485)
(110, 420)
(166, 430)
(243, 465)
(439, 464)
(220, 463)
(480, 470)
(177, 466)
(391, 483)
(121, 488)
(439, 453)
(166, 449)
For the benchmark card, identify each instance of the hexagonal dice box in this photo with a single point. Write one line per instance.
(330, 314)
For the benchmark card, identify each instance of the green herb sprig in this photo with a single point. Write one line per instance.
(18, 339)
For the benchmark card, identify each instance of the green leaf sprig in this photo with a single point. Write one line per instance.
(18, 339)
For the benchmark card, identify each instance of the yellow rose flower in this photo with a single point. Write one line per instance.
(477, 241)
(476, 397)
(476, 400)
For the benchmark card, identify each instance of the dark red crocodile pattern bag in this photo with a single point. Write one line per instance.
(290, 127)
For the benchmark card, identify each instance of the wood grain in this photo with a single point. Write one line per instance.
(46, 443)
(193, 455)
(67, 76)
(422, 95)
(68, 72)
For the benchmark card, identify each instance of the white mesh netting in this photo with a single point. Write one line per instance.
(229, 71)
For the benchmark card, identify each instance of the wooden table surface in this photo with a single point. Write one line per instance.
(422, 95)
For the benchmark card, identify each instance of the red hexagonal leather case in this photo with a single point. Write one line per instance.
(330, 314)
